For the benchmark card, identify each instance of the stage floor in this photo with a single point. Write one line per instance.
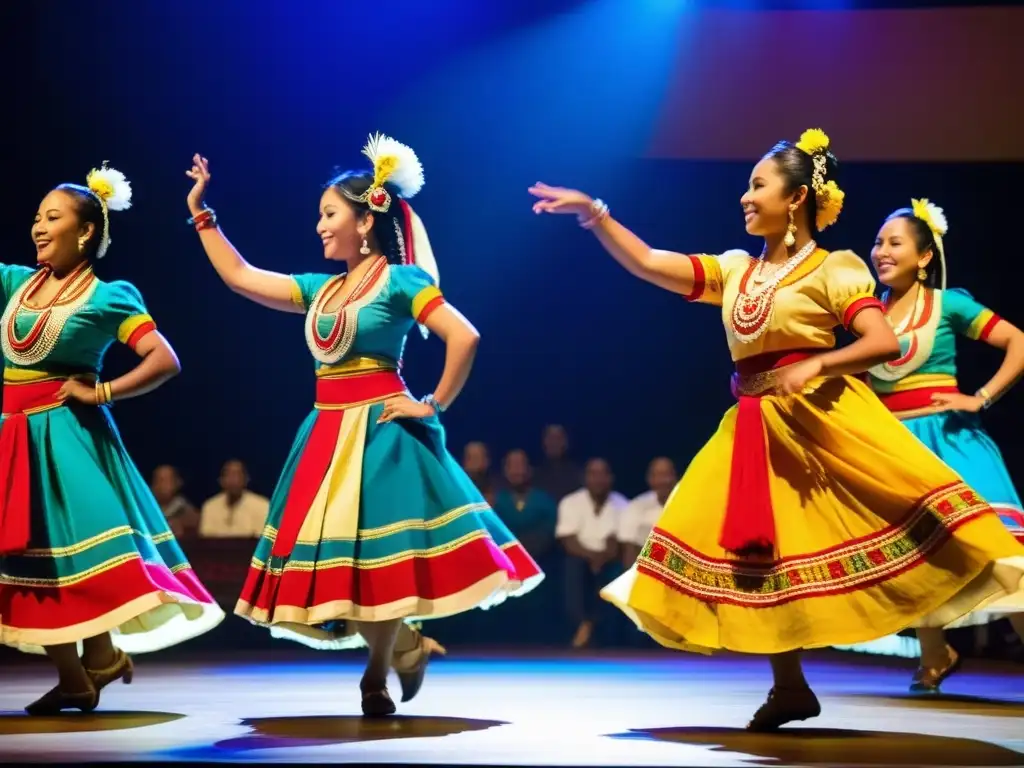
(657, 709)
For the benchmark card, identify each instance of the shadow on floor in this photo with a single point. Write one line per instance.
(835, 746)
(18, 723)
(277, 732)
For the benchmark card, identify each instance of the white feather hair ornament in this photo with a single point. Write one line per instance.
(115, 194)
(394, 163)
(935, 218)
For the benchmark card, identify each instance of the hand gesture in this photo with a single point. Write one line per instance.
(77, 390)
(200, 174)
(793, 378)
(404, 407)
(955, 401)
(560, 200)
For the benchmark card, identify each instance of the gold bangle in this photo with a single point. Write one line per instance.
(108, 395)
(99, 393)
(986, 397)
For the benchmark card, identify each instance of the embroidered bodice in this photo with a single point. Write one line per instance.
(73, 331)
(376, 317)
(823, 291)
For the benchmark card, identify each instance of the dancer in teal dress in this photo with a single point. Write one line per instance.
(921, 389)
(87, 562)
(373, 523)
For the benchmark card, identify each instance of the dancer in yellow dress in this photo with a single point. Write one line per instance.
(812, 517)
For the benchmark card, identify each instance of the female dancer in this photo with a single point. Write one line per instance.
(85, 553)
(920, 388)
(372, 521)
(812, 517)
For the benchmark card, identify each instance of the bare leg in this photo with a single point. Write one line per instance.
(98, 652)
(381, 637)
(71, 673)
(938, 660)
(791, 698)
(412, 652)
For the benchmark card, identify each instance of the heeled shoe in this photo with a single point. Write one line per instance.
(378, 703)
(928, 679)
(55, 701)
(121, 669)
(410, 676)
(786, 707)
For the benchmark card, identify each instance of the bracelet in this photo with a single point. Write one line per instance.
(103, 393)
(205, 219)
(433, 403)
(986, 398)
(599, 212)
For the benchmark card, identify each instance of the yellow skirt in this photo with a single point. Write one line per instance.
(873, 534)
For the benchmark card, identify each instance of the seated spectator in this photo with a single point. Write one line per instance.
(235, 512)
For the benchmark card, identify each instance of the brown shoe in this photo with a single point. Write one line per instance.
(56, 701)
(411, 665)
(928, 679)
(120, 669)
(784, 705)
(378, 703)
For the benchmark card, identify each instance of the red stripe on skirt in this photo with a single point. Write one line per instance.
(749, 525)
(16, 483)
(336, 395)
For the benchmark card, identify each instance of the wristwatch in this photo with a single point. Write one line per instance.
(433, 403)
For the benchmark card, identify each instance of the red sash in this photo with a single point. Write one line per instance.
(749, 526)
(20, 399)
(913, 399)
(333, 397)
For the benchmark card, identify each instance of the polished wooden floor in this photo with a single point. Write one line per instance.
(656, 709)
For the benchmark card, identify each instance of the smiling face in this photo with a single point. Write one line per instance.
(57, 229)
(340, 228)
(897, 255)
(767, 200)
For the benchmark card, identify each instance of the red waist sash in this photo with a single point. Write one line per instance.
(749, 526)
(333, 397)
(913, 399)
(20, 400)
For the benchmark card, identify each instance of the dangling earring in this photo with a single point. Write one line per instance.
(790, 238)
(922, 275)
(365, 248)
(81, 244)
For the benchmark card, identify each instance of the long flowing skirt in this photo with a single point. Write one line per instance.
(963, 444)
(371, 522)
(100, 556)
(874, 534)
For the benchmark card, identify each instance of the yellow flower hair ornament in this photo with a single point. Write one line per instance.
(827, 194)
(932, 215)
(115, 194)
(393, 162)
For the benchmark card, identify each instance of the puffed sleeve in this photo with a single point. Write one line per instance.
(130, 320)
(415, 292)
(710, 274)
(305, 286)
(849, 285)
(966, 316)
(11, 278)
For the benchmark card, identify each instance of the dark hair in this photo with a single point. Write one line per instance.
(351, 184)
(797, 168)
(924, 240)
(90, 211)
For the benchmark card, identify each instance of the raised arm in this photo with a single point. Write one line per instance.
(271, 289)
(666, 269)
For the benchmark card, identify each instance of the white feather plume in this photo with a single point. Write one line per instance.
(407, 175)
(938, 217)
(112, 187)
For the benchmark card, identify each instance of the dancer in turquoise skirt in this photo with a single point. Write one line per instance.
(921, 389)
(87, 562)
(373, 523)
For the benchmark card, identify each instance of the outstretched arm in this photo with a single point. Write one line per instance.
(271, 289)
(666, 269)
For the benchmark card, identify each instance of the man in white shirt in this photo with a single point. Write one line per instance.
(588, 521)
(642, 513)
(235, 512)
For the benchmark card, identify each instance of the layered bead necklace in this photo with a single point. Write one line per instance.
(37, 344)
(335, 345)
(755, 303)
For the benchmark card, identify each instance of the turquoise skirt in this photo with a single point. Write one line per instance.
(373, 522)
(100, 556)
